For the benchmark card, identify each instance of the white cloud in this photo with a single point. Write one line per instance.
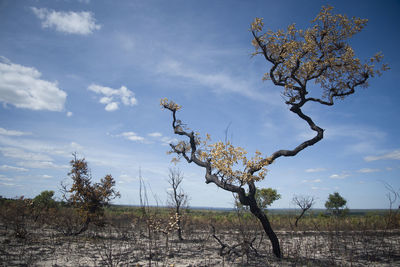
(13, 152)
(320, 188)
(3, 178)
(41, 165)
(311, 181)
(165, 140)
(69, 114)
(127, 178)
(312, 170)
(219, 82)
(355, 131)
(12, 132)
(111, 106)
(364, 139)
(368, 170)
(7, 184)
(12, 168)
(22, 87)
(339, 176)
(45, 176)
(113, 97)
(168, 140)
(132, 136)
(391, 155)
(155, 134)
(28, 149)
(67, 22)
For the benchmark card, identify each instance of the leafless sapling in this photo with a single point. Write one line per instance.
(304, 203)
(177, 198)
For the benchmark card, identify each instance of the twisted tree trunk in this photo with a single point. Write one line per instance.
(267, 228)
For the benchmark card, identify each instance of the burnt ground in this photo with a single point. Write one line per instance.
(131, 246)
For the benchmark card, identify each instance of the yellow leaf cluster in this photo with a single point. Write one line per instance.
(321, 51)
(224, 156)
(169, 104)
(257, 24)
(231, 163)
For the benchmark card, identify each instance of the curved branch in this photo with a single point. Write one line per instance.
(210, 177)
(290, 153)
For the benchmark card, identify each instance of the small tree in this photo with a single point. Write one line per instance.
(16, 214)
(335, 204)
(304, 203)
(87, 197)
(266, 196)
(45, 199)
(321, 55)
(177, 197)
(42, 203)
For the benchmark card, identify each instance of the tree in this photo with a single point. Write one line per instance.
(87, 197)
(304, 203)
(319, 54)
(42, 203)
(44, 200)
(266, 196)
(177, 197)
(335, 203)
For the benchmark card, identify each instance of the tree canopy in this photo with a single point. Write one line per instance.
(88, 197)
(335, 203)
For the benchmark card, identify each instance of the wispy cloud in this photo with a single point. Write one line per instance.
(12, 132)
(22, 87)
(12, 168)
(39, 147)
(320, 188)
(126, 178)
(339, 176)
(70, 22)
(312, 170)
(38, 164)
(165, 140)
(132, 136)
(220, 82)
(388, 156)
(28, 159)
(155, 134)
(311, 181)
(362, 139)
(113, 97)
(354, 131)
(17, 153)
(365, 139)
(368, 170)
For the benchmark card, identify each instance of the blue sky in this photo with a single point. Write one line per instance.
(87, 77)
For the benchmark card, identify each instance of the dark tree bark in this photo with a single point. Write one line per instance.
(297, 58)
(262, 217)
(247, 199)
